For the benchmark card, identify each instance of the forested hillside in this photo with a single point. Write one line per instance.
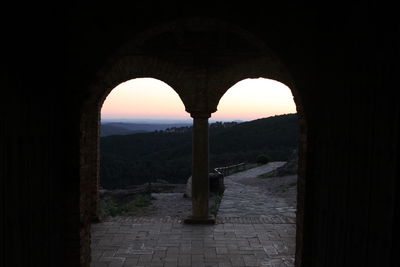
(166, 155)
(123, 128)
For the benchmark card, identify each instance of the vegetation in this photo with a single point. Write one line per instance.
(214, 208)
(166, 154)
(263, 159)
(123, 128)
(110, 207)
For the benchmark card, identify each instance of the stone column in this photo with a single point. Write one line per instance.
(200, 180)
(89, 165)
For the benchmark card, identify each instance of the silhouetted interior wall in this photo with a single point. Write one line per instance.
(344, 62)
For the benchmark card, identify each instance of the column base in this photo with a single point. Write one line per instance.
(198, 220)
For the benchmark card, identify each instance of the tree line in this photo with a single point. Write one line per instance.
(167, 154)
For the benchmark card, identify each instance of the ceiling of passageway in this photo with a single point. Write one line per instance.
(198, 44)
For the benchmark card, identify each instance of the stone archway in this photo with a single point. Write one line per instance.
(120, 72)
(302, 144)
(201, 59)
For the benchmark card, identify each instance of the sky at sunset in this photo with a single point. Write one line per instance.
(151, 99)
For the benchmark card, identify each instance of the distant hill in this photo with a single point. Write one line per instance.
(166, 154)
(124, 128)
(275, 136)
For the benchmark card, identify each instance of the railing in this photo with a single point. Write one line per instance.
(225, 171)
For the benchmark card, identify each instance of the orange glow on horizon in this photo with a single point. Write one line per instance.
(148, 98)
(143, 98)
(251, 99)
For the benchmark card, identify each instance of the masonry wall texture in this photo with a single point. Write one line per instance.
(341, 62)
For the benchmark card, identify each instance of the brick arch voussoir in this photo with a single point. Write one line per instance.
(263, 67)
(132, 67)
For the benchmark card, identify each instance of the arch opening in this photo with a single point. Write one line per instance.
(254, 98)
(267, 153)
(145, 99)
(137, 118)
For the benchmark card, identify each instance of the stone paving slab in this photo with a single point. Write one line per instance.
(241, 237)
(164, 205)
(174, 243)
(249, 196)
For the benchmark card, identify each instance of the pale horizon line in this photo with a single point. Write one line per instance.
(183, 120)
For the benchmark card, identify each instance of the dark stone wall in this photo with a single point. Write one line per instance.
(344, 62)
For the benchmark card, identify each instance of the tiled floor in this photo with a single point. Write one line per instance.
(255, 227)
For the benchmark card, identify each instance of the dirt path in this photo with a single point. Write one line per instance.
(244, 192)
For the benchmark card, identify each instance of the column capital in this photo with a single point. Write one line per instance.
(200, 115)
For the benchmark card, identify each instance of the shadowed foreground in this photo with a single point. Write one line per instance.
(255, 227)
